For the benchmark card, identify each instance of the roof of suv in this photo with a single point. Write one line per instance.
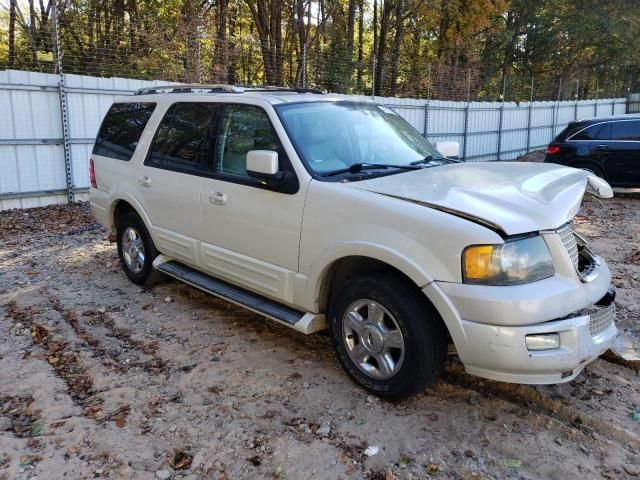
(608, 118)
(273, 95)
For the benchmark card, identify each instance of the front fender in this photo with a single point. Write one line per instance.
(311, 292)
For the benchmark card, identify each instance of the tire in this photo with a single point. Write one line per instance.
(392, 373)
(133, 240)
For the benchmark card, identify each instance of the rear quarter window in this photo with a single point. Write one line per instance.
(600, 131)
(121, 129)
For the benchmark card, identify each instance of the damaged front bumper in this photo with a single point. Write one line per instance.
(501, 353)
(490, 325)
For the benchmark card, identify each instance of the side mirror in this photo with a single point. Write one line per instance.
(448, 149)
(263, 164)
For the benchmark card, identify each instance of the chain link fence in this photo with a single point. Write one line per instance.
(213, 42)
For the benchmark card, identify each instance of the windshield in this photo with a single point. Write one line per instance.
(333, 136)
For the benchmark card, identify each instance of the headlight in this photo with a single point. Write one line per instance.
(511, 263)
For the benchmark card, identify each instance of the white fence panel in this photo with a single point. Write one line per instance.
(32, 155)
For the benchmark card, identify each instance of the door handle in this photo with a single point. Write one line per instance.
(218, 198)
(144, 181)
(602, 147)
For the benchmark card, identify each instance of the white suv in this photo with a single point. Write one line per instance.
(320, 212)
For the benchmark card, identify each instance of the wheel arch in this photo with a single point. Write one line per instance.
(358, 258)
(337, 268)
(126, 203)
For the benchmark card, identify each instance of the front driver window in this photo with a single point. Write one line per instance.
(243, 128)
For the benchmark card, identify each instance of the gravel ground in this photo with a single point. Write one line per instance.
(100, 378)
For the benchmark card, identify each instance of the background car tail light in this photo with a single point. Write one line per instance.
(92, 174)
(553, 149)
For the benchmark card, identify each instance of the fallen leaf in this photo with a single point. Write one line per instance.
(180, 460)
(513, 463)
(36, 429)
(121, 422)
(432, 470)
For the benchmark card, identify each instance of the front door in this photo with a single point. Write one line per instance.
(250, 232)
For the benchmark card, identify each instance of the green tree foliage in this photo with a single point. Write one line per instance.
(452, 49)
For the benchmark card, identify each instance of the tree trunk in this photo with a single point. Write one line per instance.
(232, 60)
(221, 50)
(360, 44)
(395, 51)
(268, 22)
(381, 60)
(302, 43)
(32, 32)
(351, 16)
(12, 32)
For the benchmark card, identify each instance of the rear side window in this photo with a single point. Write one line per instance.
(121, 129)
(601, 131)
(184, 137)
(627, 130)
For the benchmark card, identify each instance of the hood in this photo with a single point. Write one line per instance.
(514, 197)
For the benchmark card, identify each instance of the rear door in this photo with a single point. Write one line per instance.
(623, 153)
(170, 180)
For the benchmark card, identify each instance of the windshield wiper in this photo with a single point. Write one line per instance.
(430, 158)
(358, 167)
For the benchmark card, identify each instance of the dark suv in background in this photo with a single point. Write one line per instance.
(607, 146)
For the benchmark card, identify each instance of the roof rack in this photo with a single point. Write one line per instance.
(189, 89)
(273, 88)
(222, 89)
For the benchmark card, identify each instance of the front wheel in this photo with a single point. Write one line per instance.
(388, 338)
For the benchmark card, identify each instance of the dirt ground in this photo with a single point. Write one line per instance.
(100, 378)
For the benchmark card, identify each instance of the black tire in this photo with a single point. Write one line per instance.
(422, 329)
(147, 275)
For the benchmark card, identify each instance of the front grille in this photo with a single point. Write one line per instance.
(569, 241)
(601, 318)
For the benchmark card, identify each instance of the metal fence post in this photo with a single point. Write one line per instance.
(373, 79)
(529, 117)
(556, 114)
(556, 111)
(500, 129)
(466, 132)
(575, 107)
(63, 106)
(304, 66)
(529, 126)
(426, 120)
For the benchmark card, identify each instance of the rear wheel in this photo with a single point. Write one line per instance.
(387, 336)
(136, 250)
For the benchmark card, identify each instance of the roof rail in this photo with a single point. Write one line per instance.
(195, 88)
(272, 88)
(189, 89)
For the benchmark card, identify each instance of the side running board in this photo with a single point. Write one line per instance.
(304, 322)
